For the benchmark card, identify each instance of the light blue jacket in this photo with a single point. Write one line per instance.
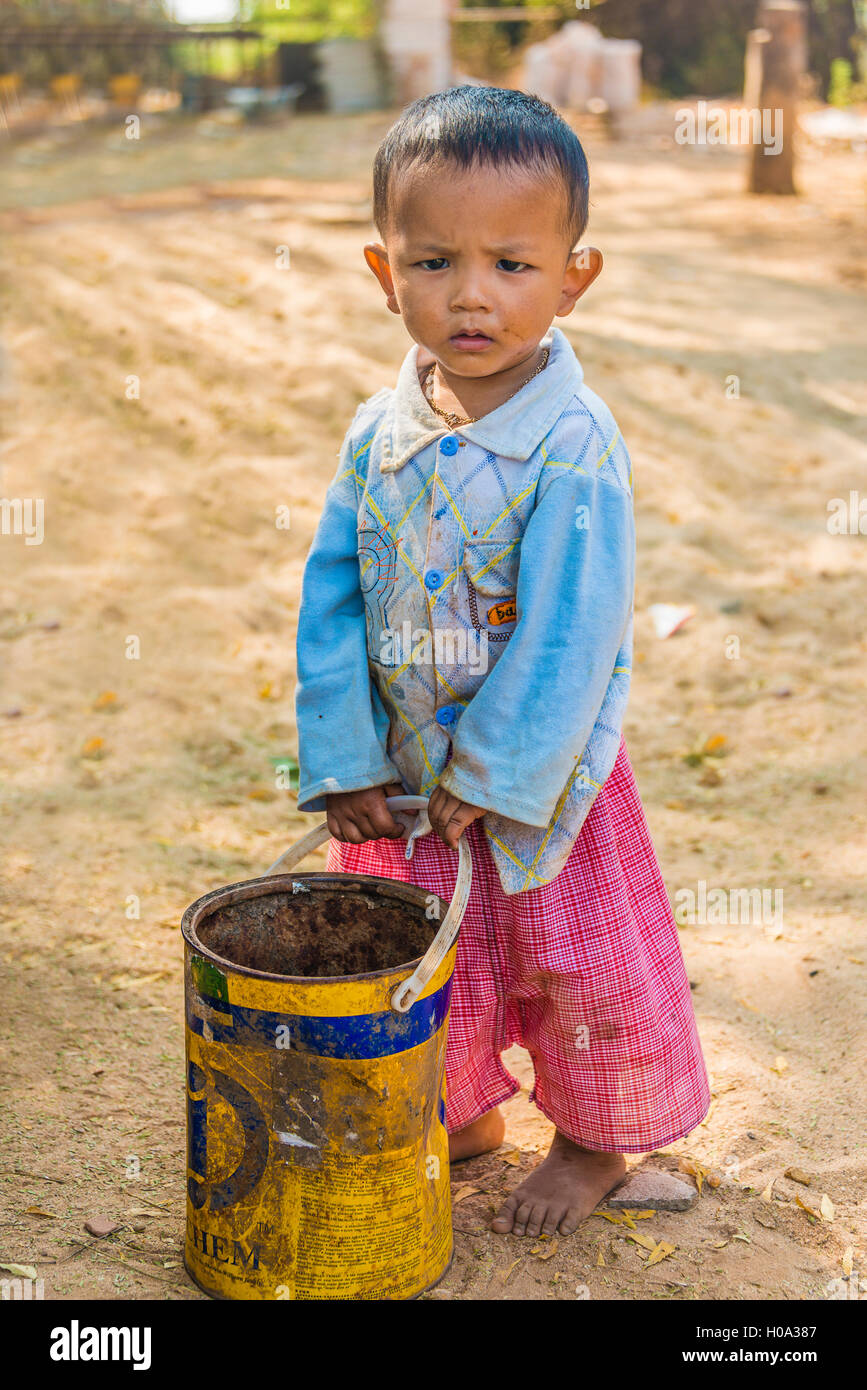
(469, 593)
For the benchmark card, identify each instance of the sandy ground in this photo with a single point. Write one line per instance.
(135, 785)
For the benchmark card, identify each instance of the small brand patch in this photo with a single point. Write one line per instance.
(506, 611)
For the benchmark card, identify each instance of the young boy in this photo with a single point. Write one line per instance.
(466, 633)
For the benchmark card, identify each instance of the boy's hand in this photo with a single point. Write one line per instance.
(450, 817)
(354, 817)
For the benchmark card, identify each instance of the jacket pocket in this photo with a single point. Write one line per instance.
(491, 569)
(492, 566)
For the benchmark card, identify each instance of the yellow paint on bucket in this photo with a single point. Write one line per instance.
(317, 1149)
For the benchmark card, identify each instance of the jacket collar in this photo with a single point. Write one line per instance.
(513, 430)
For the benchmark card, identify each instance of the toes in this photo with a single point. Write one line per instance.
(522, 1216)
(537, 1218)
(552, 1222)
(570, 1222)
(503, 1222)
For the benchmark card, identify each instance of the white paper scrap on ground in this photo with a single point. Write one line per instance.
(668, 617)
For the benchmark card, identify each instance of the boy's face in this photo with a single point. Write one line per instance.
(478, 251)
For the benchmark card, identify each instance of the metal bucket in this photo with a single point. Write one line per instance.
(317, 1154)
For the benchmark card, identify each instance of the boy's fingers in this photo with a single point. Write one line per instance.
(455, 831)
(354, 835)
(345, 830)
(363, 816)
(364, 828)
(371, 824)
(457, 823)
(440, 810)
(452, 831)
(449, 836)
(381, 822)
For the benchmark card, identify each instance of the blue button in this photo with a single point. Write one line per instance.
(447, 715)
(449, 445)
(433, 579)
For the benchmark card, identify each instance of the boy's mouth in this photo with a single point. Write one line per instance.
(470, 341)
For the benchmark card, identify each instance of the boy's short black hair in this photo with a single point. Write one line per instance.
(494, 125)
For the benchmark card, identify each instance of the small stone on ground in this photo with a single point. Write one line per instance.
(650, 1189)
(100, 1226)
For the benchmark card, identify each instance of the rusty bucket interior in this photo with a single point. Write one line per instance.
(322, 926)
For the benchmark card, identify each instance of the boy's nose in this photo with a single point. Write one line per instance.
(471, 297)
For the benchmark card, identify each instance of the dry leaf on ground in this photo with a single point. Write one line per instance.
(647, 1242)
(466, 1191)
(798, 1175)
(662, 1252)
(544, 1252)
(695, 1170)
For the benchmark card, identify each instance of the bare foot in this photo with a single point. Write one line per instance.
(480, 1137)
(561, 1192)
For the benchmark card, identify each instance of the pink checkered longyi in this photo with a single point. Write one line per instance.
(585, 973)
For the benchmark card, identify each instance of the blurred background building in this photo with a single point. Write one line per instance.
(68, 59)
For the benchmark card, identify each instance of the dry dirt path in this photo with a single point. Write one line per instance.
(135, 785)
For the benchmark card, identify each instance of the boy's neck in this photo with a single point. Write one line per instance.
(475, 396)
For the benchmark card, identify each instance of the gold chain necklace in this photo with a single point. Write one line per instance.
(453, 419)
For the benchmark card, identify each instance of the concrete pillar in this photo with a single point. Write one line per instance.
(777, 60)
(417, 43)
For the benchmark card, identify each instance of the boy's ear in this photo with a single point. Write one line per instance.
(377, 258)
(582, 269)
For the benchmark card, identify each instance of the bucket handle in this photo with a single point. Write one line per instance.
(406, 993)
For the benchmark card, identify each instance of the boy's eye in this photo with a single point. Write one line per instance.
(436, 263)
(511, 265)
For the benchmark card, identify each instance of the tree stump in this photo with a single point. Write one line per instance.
(776, 63)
